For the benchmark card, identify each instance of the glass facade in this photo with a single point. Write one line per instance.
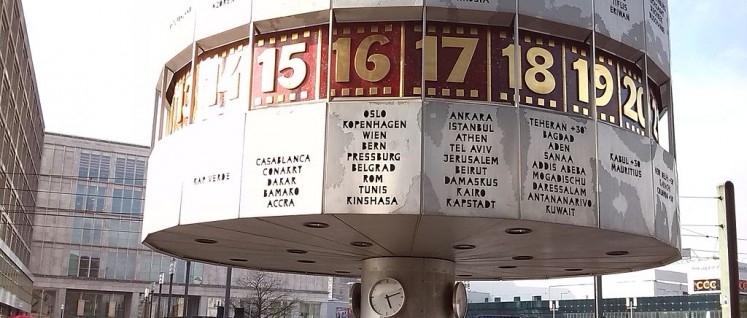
(88, 238)
(21, 137)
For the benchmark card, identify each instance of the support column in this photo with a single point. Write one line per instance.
(60, 312)
(427, 285)
(727, 240)
(598, 297)
(133, 302)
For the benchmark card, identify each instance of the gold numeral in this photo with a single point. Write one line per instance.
(271, 67)
(430, 73)
(547, 84)
(631, 107)
(654, 117)
(342, 60)
(381, 64)
(538, 77)
(461, 66)
(603, 82)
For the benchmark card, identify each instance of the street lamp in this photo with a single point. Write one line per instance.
(172, 267)
(631, 303)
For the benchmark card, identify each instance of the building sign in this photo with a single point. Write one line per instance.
(711, 285)
(283, 170)
(625, 181)
(469, 166)
(621, 21)
(179, 109)
(288, 66)
(366, 60)
(453, 59)
(213, 170)
(706, 285)
(657, 33)
(373, 157)
(215, 16)
(571, 12)
(477, 5)
(558, 171)
(541, 70)
(656, 108)
(222, 81)
(395, 59)
(665, 196)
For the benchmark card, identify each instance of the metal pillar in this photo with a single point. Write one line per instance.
(186, 290)
(227, 301)
(159, 313)
(598, 299)
(427, 285)
(172, 268)
(727, 239)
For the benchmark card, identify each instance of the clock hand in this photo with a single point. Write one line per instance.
(395, 294)
(387, 301)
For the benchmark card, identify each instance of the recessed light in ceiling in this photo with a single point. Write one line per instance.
(296, 251)
(463, 247)
(573, 269)
(342, 272)
(205, 241)
(522, 258)
(361, 244)
(316, 225)
(239, 259)
(518, 230)
(306, 261)
(617, 253)
(464, 275)
(507, 267)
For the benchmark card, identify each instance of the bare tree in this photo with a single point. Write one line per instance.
(265, 296)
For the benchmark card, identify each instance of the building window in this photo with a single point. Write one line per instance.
(120, 265)
(90, 198)
(127, 201)
(83, 264)
(123, 233)
(86, 231)
(129, 171)
(93, 167)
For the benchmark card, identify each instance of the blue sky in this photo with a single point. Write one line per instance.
(96, 77)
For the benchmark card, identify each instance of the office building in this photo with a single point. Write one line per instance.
(87, 255)
(21, 137)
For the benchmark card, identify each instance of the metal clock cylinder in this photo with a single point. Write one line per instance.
(427, 284)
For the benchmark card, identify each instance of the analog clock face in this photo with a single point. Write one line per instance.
(387, 297)
(459, 300)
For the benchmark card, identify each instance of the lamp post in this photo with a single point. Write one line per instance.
(62, 310)
(631, 303)
(146, 305)
(172, 267)
(160, 290)
(554, 306)
(152, 292)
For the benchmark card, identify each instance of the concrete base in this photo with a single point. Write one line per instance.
(427, 285)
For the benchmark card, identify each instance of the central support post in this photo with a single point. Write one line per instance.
(427, 285)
